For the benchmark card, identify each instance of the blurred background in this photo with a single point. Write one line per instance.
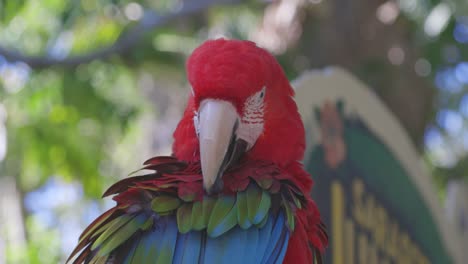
(90, 89)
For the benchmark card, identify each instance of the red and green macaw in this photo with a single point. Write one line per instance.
(234, 190)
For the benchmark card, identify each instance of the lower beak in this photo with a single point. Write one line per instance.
(219, 148)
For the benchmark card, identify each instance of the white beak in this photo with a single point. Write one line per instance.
(217, 122)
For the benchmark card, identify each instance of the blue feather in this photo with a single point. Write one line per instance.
(188, 248)
(252, 242)
(227, 248)
(284, 248)
(163, 243)
(263, 239)
(149, 246)
(249, 246)
(131, 254)
(169, 239)
(280, 249)
(277, 238)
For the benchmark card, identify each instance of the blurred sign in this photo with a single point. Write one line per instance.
(3, 132)
(372, 191)
(456, 208)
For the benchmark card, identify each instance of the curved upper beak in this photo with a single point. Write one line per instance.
(218, 121)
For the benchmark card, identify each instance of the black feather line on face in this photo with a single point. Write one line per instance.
(236, 150)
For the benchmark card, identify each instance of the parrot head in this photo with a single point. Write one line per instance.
(241, 106)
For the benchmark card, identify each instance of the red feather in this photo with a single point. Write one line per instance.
(210, 69)
(233, 70)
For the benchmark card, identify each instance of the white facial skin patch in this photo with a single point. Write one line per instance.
(251, 125)
(196, 123)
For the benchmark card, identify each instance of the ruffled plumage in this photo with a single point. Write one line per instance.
(254, 194)
(263, 213)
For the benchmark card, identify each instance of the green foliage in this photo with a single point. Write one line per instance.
(43, 245)
(57, 131)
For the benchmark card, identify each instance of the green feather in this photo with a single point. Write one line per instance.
(98, 260)
(223, 217)
(265, 183)
(197, 216)
(253, 199)
(165, 256)
(164, 204)
(96, 224)
(296, 201)
(242, 211)
(110, 228)
(121, 235)
(147, 249)
(151, 188)
(258, 204)
(141, 254)
(147, 224)
(184, 218)
(289, 214)
(129, 259)
(263, 207)
(188, 197)
(208, 204)
(167, 185)
(167, 247)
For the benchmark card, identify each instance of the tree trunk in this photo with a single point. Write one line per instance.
(349, 34)
(11, 217)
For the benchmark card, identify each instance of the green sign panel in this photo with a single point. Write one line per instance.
(369, 184)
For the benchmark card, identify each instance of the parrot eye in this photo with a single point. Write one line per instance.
(261, 94)
(257, 98)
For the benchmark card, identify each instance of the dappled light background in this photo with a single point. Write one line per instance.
(90, 89)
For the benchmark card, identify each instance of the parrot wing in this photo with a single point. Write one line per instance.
(164, 217)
